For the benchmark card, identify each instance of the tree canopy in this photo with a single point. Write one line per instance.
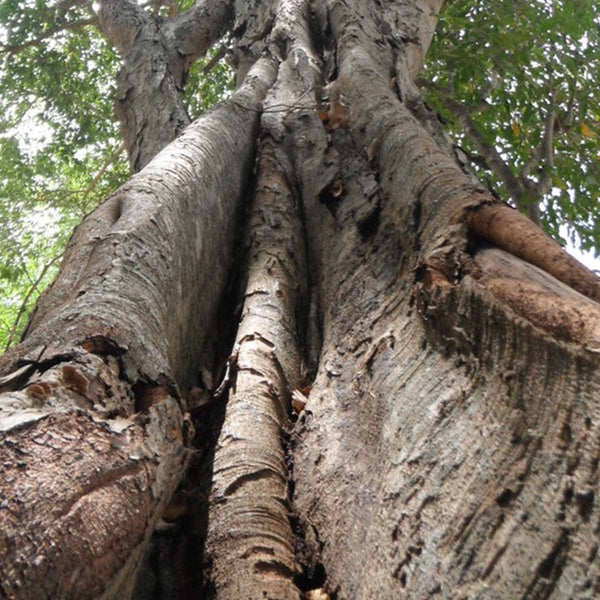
(518, 85)
(514, 82)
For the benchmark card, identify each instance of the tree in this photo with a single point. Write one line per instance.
(516, 84)
(310, 246)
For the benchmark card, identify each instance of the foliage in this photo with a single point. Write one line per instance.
(512, 63)
(60, 147)
(208, 82)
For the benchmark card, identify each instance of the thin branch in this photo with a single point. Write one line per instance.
(491, 155)
(25, 302)
(530, 164)
(568, 121)
(73, 25)
(475, 158)
(547, 151)
(109, 161)
(24, 267)
(4, 325)
(210, 65)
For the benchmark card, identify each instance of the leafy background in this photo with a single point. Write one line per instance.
(60, 146)
(506, 60)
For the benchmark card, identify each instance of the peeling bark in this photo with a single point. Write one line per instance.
(156, 55)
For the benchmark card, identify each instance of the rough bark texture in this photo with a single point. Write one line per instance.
(157, 54)
(250, 550)
(110, 346)
(439, 351)
(250, 545)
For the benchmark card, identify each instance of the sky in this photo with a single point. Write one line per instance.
(587, 258)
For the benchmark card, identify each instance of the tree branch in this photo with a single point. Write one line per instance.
(544, 154)
(24, 267)
(73, 25)
(121, 20)
(548, 151)
(65, 5)
(491, 155)
(25, 303)
(210, 65)
(196, 30)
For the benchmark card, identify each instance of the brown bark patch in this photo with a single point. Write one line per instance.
(515, 233)
(540, 298)
(72, 506)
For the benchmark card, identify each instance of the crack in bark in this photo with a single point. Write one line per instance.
(242, 480)
(107, 480)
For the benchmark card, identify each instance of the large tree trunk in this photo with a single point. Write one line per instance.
(93, 432)
(439, 351)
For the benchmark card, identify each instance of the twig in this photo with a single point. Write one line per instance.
(210, 65)
(24, 267)
(547, 150)
(16, 48)
(109, 161)
(25, 302)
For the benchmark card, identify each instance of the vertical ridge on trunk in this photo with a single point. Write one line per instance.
(249, 546)
(109, 343)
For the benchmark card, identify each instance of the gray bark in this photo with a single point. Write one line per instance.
(156, 54)
(446, 444)
(110, 346)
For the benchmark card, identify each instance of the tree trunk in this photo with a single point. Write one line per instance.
(107, 353)
(156, 57)
(437, 352)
